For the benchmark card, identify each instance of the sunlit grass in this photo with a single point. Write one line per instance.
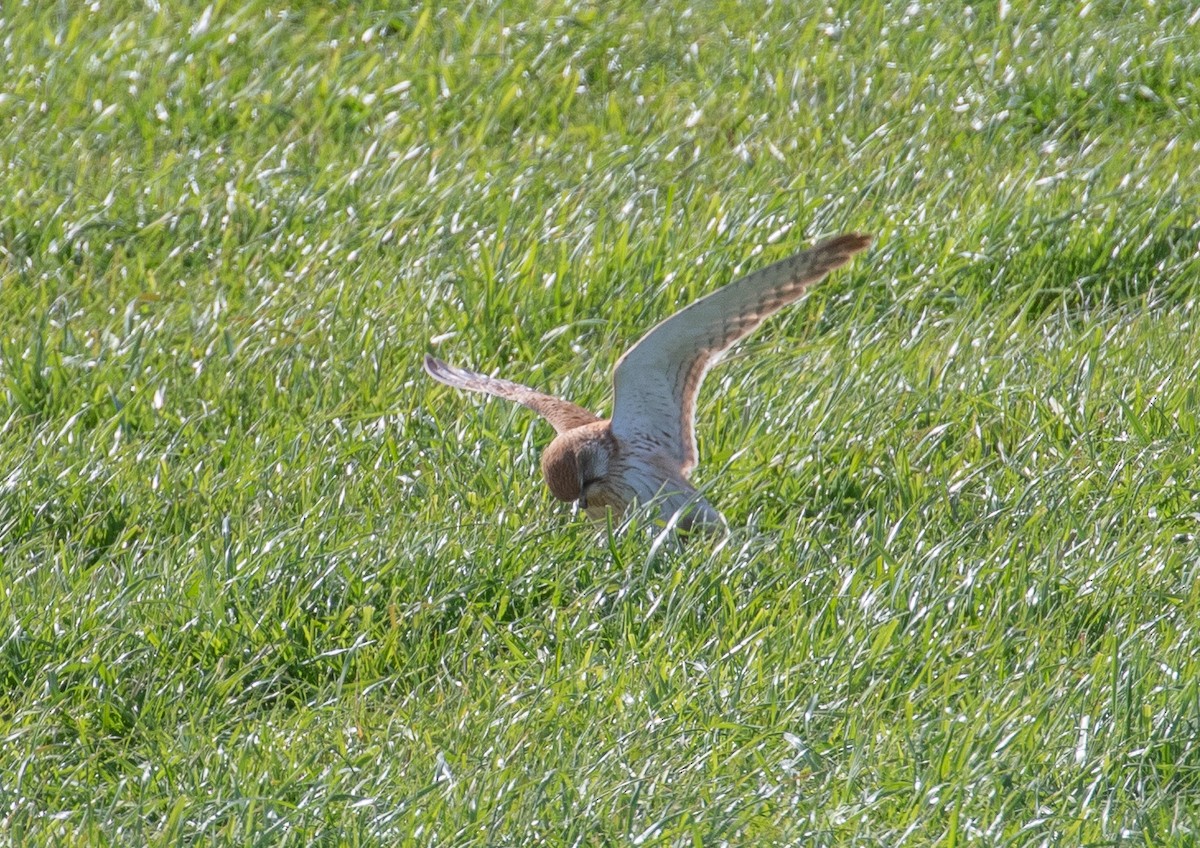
(264, 582)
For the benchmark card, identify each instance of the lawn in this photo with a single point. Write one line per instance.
(266, 583)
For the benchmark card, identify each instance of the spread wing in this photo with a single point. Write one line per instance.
(563, 414)
(656, 381)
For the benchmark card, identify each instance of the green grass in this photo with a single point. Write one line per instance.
(263, 582)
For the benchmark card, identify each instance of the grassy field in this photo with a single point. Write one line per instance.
(264, 583)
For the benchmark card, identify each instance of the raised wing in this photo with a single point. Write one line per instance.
(562, 414)
(656, 381)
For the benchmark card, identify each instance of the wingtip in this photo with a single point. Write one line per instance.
(433, 365)
(446, 373)
(850, 242)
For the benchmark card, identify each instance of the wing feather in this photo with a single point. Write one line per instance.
(562, 414)
(656, 381)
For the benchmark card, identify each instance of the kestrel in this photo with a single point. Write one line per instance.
(647, 449)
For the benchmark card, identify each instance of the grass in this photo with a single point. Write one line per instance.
(266, 583)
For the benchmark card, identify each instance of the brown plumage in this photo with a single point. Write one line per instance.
(646, 451)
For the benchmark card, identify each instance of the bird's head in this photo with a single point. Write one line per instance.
(576, 463)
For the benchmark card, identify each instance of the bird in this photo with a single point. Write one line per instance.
(646, 451)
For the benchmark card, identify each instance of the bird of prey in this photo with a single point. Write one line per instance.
(646, 451)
